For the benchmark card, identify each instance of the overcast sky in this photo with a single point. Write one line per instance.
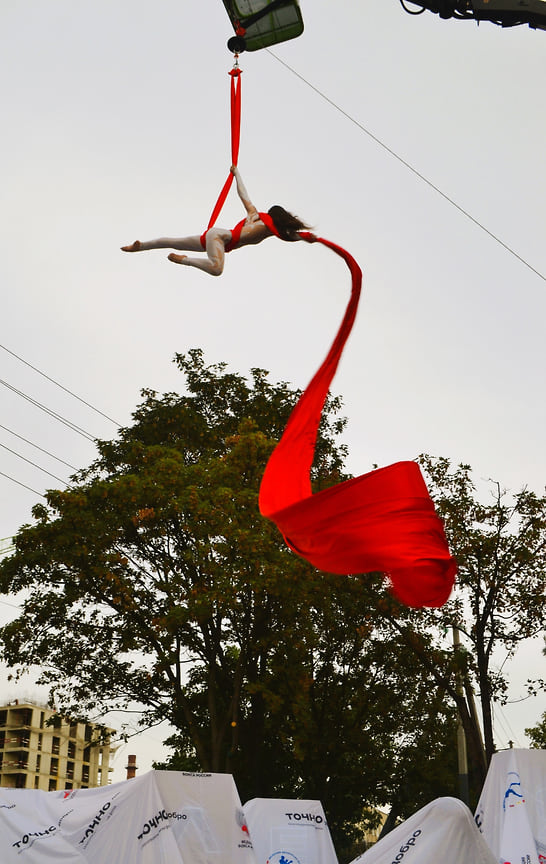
(116, 127)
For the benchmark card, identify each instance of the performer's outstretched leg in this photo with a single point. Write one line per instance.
(213, 264)
(187, 244)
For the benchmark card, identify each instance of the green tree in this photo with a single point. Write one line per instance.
(378, 710)
(364, 721)
(499, 600)
(537, 734)
(154, 582)
(156, 561)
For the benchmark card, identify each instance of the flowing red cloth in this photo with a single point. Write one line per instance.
(383, 521)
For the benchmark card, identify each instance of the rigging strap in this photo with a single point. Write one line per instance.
(235, 101)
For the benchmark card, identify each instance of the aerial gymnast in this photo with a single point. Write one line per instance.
(216, 242)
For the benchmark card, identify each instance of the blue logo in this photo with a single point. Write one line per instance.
(282, 858)
(512, 791)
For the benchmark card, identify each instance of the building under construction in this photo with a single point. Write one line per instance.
(39, 749)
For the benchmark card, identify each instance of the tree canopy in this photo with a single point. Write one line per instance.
(153, 582)
(499, 601)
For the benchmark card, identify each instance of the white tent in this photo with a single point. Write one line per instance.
(162, 817)
(285, 831)
(511, 812)
(443, 831)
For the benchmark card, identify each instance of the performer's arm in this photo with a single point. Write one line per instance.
(242, 193)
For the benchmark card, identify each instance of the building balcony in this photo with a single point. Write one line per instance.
(18, 720)
(15, 742)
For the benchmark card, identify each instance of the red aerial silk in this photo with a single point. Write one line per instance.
(383, 521)
(235, 104)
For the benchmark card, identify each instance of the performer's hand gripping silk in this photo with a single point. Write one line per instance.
(216, 242)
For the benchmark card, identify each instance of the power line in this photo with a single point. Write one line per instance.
(50, 412)
(37, 446)
(68, 423)
(62, 387)
(408, 166)
(55, 416)
(24, 485)
(500, 719)
(34, 464)
(11, 605)
(74, 427)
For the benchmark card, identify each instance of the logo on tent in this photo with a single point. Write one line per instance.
(513, 793)
(282, 858)
(67, 793)
(241, 821)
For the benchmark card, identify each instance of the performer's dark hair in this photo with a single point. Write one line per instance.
(286, 224)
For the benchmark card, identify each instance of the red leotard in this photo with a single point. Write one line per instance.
(236, 232)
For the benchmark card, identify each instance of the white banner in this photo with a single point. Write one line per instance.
(511, 812)
(163, 817)
(285, 831)
(443, 831)
(212, 828)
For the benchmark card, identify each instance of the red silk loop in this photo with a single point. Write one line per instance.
(235, 105)
(380, 522)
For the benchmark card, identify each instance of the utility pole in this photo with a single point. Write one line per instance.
(462, 759)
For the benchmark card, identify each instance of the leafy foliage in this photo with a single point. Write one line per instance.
(153, 582)
(499, 600)
(537, 734)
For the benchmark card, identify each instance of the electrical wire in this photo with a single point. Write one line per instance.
(62, 387)
(68, 423)
(24, 485)
(11, 605)
(34, 464)
(73, 426)
(56, 416)
(37, 447)
(408, 166)
(500, 719)
(50, 412)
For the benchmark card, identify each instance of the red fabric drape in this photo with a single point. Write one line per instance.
(235, 101)
(383, 521)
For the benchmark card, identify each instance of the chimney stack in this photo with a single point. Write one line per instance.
(131, 767)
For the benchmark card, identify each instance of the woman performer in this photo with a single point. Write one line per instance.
(217, 241)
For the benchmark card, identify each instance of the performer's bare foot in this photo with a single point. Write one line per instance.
(134, 247)
(177, 259)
